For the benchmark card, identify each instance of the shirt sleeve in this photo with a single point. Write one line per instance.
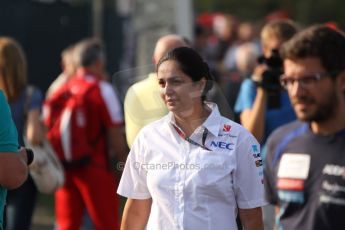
(132, 112)
(36, 100)
(8, 131)
(113, 107)
(269, 174)
(246, 96)
(133, 183)
(248, 175)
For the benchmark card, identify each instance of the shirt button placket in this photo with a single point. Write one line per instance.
(178, 215)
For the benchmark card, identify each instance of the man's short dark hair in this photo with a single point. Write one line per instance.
(89, 51)
(318, 41)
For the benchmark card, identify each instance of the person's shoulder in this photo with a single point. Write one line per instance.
(140, 89)
(286, 129)
(246, 95)
(145, 84)
(152, 130)
(155, 125)
(105, 84)
(248, 86)
(155, 128)
(5, 110)
(58, 82)
(2, 98)
(289, 127)
(37, 92)
(248, 83)
(34, 95)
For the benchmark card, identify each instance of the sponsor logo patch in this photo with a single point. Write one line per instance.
(291, 196)
(256, 155)
(334, 170)
(258, 163)
(294, 166)
(226, 128)
(255, 148)
(221, 145)
(290, 184)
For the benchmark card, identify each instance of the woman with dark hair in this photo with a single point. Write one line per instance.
(192, 169)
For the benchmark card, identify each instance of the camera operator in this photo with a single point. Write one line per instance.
(262, 105)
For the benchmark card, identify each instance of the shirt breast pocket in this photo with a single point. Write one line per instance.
(214, 173)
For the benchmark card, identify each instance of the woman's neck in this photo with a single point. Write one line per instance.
(188, 123)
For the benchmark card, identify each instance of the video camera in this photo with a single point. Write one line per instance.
(271, 77)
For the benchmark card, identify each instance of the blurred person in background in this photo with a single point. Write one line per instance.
(13, 162)
(143, 104)
(26, 115)
(245, 34)
(168, 177)
(224, 29)
(245, 60)
(69, 68)
(262, 104)
(90, 180)
(304, 170)
(201, 35)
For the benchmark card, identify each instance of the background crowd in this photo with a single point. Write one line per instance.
(245, 69)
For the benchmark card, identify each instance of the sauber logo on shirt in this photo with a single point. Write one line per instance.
(334, 170)
(255, 148)
(226, 128)
(221, 144)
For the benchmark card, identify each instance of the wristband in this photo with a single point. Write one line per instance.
(29, 156)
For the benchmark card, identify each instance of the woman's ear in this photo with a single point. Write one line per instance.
(202, 84)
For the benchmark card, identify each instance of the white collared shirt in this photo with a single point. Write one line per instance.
(191, 187)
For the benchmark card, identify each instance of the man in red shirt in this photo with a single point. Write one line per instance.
(92, 184)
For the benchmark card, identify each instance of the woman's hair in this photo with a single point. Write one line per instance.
(192, 64)
(13, 68)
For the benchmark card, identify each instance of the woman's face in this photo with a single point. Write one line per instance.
(178, 91)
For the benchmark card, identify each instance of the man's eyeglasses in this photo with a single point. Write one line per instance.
(306, 82)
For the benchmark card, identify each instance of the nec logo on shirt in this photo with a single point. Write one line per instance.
(221, 144)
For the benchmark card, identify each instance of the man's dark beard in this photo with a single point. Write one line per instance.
(324, 111)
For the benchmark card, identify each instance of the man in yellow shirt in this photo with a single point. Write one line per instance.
(143, 104)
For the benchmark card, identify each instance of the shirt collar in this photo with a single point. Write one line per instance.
(212, 123)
